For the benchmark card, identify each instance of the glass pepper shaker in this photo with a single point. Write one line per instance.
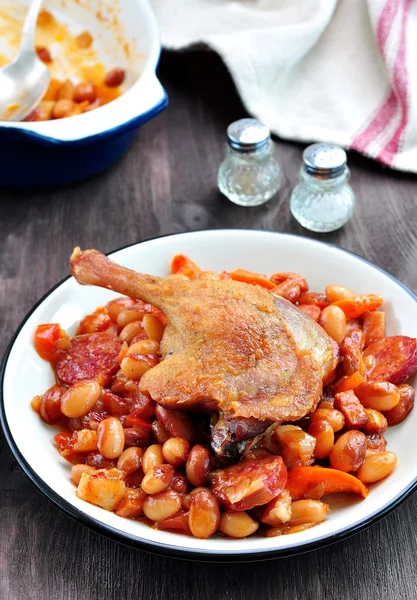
(323, 200)
(249, 174)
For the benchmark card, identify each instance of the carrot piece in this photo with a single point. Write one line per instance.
(182, 264)
(373, 326)
(253, 278)
(355, 307)
(315, 482)
(348, 382)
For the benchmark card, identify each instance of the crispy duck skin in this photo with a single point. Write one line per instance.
(228, 346)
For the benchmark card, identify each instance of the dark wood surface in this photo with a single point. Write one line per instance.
(167, 183)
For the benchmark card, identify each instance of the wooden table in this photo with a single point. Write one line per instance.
(167, 183)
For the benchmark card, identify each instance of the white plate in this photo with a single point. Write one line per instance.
(24, 374)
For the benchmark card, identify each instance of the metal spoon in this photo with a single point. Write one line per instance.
(25, 80)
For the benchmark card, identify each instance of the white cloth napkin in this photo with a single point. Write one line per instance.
(341, 71)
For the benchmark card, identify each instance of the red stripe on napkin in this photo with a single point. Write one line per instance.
(388, 109)
(400, 85)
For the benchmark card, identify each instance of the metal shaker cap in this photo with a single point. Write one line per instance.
(324, 160)
(247, 135)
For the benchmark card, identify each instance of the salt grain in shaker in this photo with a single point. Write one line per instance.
(249, 174)
(323, 200)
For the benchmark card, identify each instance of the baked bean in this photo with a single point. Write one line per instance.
(337, 292)
(297, 446)
(131, 504)
(180, 483)
(115, 77)
(159, 432)
(153, 327)
(130, 314)
(308, 511)
(144, 347)
(376, 422)
(115, 307)
(43, 112)
(331, 415)
(278, 510)
(324, 434)
(45, 18)
(63, 109)
(380, 395)
(85, 92)
(80, 398)
(375, 443)
(162, 506)
(175, 451)
(134, 366)
(36, 403)
(158, 479)
(377, 466)
(44, 54)
(130, 330)
(348, 453)
(153, 457)
(84, 39)
(66, 90)
(237, 524)
(78, 470)
(204, 515)
(111, 438)
(50, 404)
(404, 407)
(333, 321)
(130, 459)
(198, 465)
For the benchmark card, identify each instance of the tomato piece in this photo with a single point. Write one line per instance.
(62, 440)
(253, 278)
(250, 483)
(393, 359)
(178, 522)
(182, 264)
(99, 320)
(45, 338)
(315, 482)
(358, 305)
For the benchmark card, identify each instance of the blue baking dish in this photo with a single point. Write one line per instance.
(52, 153)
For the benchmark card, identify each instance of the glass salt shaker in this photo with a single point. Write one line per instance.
(323, 200)
(249, 174)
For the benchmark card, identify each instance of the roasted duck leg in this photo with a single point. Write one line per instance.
(228, 347)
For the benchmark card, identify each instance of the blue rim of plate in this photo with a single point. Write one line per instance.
(167, 549)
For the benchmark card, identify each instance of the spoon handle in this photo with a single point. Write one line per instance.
(29, 27)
